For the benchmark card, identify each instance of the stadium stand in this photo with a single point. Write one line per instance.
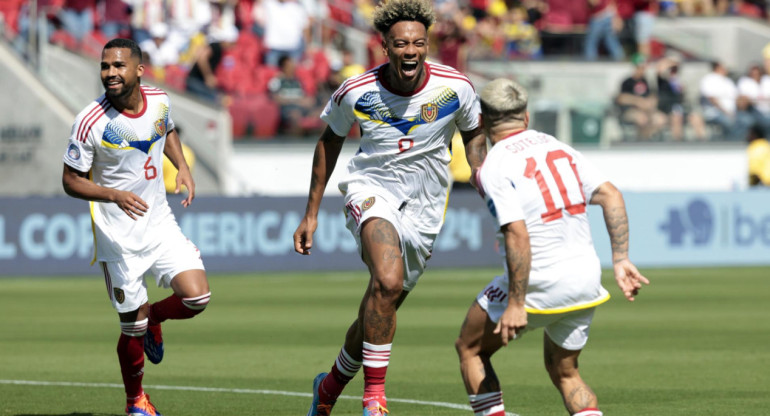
(489, 30)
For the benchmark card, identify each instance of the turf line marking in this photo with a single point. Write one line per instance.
(223, 390)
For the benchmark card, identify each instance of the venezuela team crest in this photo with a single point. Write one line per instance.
(119, 295)
(367, 203)
(429, 112)
(160, 127)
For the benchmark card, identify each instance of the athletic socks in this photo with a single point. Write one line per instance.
(590, 411)
(175, 307)
(131, 357)
(487, 404)
(376, 359)
(343, 370)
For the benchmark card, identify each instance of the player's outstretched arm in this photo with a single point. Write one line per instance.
(475, 150)
(173, 150)
(324, 159)
(76, 184)
(628, 278)
(518, 257)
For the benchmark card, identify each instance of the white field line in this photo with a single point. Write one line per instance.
(223, 390)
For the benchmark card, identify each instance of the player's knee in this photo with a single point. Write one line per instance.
(134, 329)
(461, 348)
(388, 289)
(197, 304)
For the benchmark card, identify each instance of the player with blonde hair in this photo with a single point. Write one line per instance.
(537, 189)
(396, 185)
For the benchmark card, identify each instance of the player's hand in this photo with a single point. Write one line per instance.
(513, 321)
(303, 237)
(475, 182)
(131, 204)
(628, 278)
(184, 177)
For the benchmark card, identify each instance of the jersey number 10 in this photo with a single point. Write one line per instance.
(553, 212)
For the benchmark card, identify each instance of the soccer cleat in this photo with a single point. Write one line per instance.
(317, 408)
(153, 344)
(373, 408)
(142, 407)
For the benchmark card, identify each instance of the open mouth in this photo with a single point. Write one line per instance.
(409, 68)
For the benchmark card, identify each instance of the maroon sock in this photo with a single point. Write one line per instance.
(176, 307)
(131, 357)
(343, 370)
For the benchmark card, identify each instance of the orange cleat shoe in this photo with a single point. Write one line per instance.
(142, 407)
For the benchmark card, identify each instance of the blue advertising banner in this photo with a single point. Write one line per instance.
(52, 236)
(693, 229)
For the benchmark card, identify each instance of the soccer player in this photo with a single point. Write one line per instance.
(396, 185)
(537, 188)
(114, 160)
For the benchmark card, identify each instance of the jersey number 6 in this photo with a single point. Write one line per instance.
(150, 172)
(554, 213)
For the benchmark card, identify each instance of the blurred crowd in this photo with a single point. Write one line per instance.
(274, 63)
(735, 107)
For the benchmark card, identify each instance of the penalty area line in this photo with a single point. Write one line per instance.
(225, 390)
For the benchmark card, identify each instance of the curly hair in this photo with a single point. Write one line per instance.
(503, 100)
(391, 12)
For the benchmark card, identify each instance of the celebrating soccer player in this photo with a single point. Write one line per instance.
(114, 159)
(396, 185)
(537, 188)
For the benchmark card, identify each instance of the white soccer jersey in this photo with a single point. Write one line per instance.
(531, 176)
(404, 141)
(124, 151)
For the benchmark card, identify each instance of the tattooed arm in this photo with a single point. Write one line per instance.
(614, 207)
(324, 159)
(518, 258)
(475, 150)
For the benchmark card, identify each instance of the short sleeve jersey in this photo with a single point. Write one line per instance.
(125, 152)
(533, 177)
(405, 137)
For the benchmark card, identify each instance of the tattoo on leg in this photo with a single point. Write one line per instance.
(579, 398)
(378, 328)
(385, 233)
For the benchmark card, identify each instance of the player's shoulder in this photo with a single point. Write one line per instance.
(446, 74)
(150, 91)
(356, 84)
(90, 117)
(100, 104)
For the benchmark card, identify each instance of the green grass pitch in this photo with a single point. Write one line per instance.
(696, 342)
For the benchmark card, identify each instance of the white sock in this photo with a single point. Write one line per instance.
(486, 404)
(589, 412)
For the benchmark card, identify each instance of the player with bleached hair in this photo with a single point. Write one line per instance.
(114, 160)
(537, 188)
(396, 185)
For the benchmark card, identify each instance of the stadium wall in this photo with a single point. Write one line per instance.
(283, 169)
(53, 236)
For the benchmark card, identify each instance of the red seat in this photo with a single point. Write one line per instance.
(307, 79)
(254, 116)
(176, 77)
